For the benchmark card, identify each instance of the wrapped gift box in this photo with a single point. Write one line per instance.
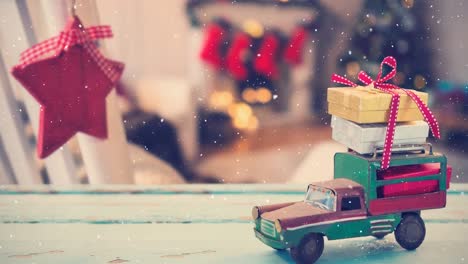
(363, 138)
(410, 171)
(366, 105)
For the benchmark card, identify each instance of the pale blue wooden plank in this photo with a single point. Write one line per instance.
(239, 189)
(204, 243)
(139, 209)
(188, 224)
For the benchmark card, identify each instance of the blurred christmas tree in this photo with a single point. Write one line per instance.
(391, 28)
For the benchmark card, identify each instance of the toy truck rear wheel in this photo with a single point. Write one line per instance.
(411, 231)
(309, 249)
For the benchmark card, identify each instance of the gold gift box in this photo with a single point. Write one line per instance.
(366, 105)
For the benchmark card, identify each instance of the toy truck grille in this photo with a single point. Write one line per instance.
(381, 226)
(267, 228)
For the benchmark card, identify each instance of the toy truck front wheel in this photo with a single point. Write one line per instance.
(411, 231)
(309, 249)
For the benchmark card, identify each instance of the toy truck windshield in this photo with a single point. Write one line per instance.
(320, 197)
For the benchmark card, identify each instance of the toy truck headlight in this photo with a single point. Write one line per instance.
(255, 212)
(278, 226)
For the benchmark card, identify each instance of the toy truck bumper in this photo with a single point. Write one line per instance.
(276, 244)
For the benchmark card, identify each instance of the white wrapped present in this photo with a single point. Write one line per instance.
(363, 138)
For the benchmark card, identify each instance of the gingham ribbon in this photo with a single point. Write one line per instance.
(380, 83)
(69, 38)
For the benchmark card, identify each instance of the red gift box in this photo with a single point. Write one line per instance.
(411, 171)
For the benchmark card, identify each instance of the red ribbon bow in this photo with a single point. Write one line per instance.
(381, 84)
(70, 37)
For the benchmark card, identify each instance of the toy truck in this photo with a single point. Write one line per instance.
(361, 201)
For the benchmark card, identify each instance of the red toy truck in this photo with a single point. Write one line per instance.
(360, 201)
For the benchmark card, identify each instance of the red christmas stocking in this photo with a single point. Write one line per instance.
(235, 57)
(211, 50)
(293, 51)
(265, 61)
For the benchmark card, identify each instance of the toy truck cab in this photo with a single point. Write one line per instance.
(360, 201)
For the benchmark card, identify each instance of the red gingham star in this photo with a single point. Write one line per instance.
(71, 86)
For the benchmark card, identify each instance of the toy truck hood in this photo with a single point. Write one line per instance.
(299, 210)
(303, 213)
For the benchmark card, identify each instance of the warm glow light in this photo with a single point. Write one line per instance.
(240, 123)
(419, 82)
(249, 123)
(249, 95)
(253, 124)
(408, 3)
(353, 68)
(399, 78)
(263, 95)
(242, 116)
(253, 28)
(221, 99)
(239, 110)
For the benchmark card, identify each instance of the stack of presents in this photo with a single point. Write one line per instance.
(360, 118)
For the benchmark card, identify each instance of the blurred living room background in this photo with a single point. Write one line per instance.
(235, 91)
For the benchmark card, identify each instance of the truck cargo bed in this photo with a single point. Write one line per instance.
(411, 171)
(414, 182)
(408, 203)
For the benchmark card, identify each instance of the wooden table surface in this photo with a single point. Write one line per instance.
(190, 224)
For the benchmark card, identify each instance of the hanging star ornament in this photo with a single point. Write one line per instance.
(70, 79)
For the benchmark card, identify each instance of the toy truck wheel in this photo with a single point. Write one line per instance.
(410, 232)
(309, 249)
